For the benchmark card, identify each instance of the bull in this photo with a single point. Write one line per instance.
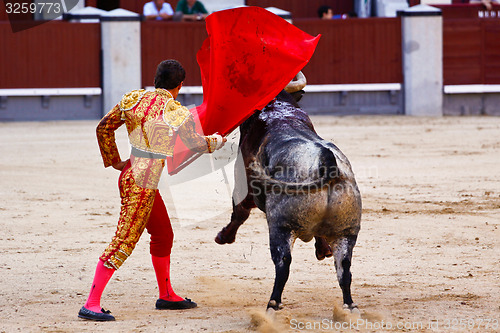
(304, 185)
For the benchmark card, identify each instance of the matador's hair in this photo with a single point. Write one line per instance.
(169, 74)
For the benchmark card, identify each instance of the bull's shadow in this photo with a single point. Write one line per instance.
(304, 185)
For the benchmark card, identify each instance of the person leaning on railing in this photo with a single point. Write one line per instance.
(158, 10)
(192, 10)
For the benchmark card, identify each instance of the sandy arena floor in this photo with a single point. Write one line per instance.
(427, 258)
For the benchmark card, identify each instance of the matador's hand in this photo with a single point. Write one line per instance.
(221, 140)
(120, 165)
(215, 141)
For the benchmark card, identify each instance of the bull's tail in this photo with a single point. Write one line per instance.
(327, 173)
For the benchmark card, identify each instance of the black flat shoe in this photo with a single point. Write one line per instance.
(104, 315)
(179, 305)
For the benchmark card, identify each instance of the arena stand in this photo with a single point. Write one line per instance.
(356, 69)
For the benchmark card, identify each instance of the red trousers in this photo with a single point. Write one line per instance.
(158, 225)
(160, 229)
(141, 208)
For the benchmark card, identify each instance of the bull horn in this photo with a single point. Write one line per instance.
(298, 83)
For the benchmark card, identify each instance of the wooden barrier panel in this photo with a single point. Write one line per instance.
(350, 51)
(3, 12)
(60, 54)
(491, 51)
(462, 51)
(355, 51)
(471, 47)
(13, 6)
(52, 55)
(171, 40)
(462, 11)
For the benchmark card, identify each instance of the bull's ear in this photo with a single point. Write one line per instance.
(297, 96)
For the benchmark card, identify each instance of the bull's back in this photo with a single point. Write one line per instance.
(331, 212)
(284, 141)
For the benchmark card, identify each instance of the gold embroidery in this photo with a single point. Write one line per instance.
(131, 99)
(175, 114)
(151, 125)
(106, 136)
(191, 139)
(164, 92)
(137, 203)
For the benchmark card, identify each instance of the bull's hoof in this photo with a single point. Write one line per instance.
(323, 250)
(224, 237)
(352, 308)
(271, 313)
(274, 305)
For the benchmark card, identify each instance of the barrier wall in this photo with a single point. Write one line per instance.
(350, 51)
(20, 16)
(66, 54)
(471, 47)
(53, 55)
(171, 40)
(354, 51)
(60, 54)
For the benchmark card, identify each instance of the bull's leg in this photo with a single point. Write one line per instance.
(240, 214)
(281, 253)
(323, 249)
(342, 252)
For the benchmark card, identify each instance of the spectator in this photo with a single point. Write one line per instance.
(325, 12)
(192, 10)
(158, 10)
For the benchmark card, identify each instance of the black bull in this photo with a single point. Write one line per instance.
(305, 186)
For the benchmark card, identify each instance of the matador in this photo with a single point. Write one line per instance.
(154, 120)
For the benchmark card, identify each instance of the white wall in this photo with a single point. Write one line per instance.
(215, 5)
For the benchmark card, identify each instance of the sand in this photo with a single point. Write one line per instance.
(427, 255)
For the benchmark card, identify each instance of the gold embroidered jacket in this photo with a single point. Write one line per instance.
(153, 120)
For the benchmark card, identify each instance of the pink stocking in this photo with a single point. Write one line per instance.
(101, 279)
(162, 270)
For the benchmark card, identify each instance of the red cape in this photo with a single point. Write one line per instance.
(250, 55)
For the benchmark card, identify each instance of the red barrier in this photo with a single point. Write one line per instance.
(52, 55)
(354, 51)
(171, 40)
(61, 54)
(471, 47)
